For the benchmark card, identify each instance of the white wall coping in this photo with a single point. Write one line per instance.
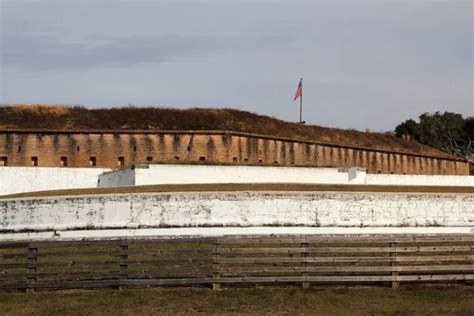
(132, 194)
(230, 231)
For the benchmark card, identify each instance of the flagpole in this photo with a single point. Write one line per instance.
(301, 101)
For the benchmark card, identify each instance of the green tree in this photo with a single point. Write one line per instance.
(447, 131)
(409, 127)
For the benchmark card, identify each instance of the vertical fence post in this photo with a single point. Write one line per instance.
(304, 254)
(32, 267)
(393, 256)
(215, 267)
(123, 265)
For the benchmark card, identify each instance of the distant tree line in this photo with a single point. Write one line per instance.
(446, 131)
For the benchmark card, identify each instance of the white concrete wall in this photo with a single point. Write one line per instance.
(238, 209)
(29, 179)
(117, 178)
(182, 174)
(185, 174)
(396, 179)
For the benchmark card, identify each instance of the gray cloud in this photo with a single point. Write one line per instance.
(41, 51)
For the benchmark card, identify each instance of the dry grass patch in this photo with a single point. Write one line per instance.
(410, 300)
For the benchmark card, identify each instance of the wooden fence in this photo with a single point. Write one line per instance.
(236, 261)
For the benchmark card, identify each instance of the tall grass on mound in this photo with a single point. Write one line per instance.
(39, 109)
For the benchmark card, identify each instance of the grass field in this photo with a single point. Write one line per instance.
(408, 300)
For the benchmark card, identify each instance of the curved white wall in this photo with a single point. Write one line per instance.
(238, 209)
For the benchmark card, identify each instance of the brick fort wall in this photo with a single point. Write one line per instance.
(115, 149)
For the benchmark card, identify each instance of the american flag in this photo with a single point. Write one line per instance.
(299, 90)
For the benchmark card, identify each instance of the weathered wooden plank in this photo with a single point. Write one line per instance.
(393, 238)
(264, 250)
(169, 261)
(264, 279)
(432, 258)
(208, 270)
(347, 269)
(115, 242)
(168, 281)
(244, 260)
(77, 284)
(150, 252)
(111, 283)
(168, 273)
(261, 240)
(172, 251)
(74, 243)
(135, 272)
(59, 274)
(14, 255)
(13, 245)
(115, 262)
(347, 239)
(115, 282)
(79, 254)
(344, 259)
(291, 279)
(344, 279)
(399, 278)
(15, 286)
(442, 277)
(249, 239)
(13, 266)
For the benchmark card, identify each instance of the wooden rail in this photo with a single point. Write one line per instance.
(237, 260)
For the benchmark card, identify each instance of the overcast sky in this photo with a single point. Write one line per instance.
(364, 64)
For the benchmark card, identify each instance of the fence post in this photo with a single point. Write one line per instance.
(393, 256)
(123, 264)
(215, 267)
(32, 267)
(304, 254)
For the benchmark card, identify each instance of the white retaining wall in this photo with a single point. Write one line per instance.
(182, 174)
(29, 179)
(187, 174)
(397, 179)
(238, 209)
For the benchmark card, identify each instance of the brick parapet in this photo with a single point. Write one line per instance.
(231, 133)
(114, 149)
